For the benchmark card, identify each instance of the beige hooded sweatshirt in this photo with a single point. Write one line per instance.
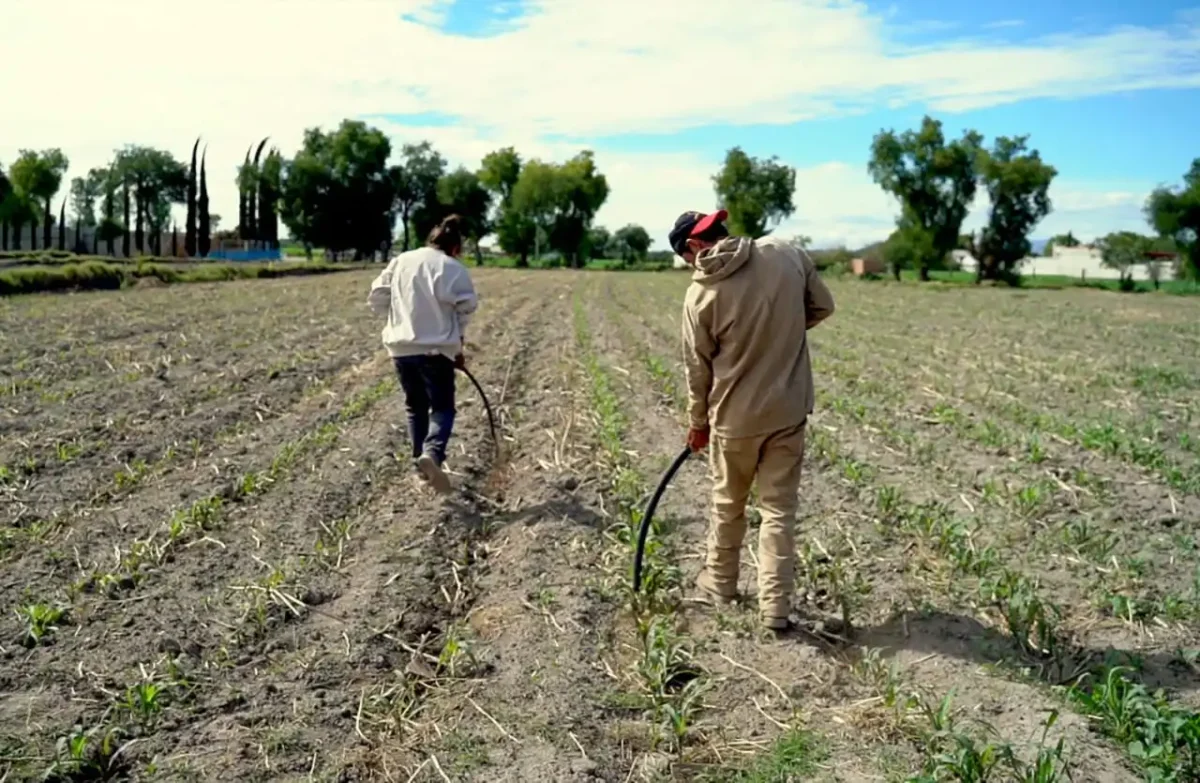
(745, 347)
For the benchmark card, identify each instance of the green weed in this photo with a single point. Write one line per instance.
(66, 452)
(793, 756)
(1162, 739)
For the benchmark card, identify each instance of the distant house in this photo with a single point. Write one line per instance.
(1083, 261)
(1087, 262)
(867, 266)
(962, 259)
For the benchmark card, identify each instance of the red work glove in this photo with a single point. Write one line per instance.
(697, 440)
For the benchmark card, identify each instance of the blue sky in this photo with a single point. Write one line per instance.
(1109, 92)
(1122, 142)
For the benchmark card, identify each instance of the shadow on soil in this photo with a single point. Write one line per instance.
(564, 505)
(967, 639)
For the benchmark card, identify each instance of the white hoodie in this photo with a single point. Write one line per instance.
(428, 298)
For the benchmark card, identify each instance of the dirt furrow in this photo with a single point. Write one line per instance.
(538, 621)
(369, 647)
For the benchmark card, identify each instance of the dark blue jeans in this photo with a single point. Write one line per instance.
(428, 383)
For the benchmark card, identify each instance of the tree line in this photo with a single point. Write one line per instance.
(343, 191)
(130, 200)
(935, 180)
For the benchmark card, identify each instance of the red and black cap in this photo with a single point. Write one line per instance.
(691, 224)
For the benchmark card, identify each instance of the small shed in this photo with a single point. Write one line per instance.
(867, 266)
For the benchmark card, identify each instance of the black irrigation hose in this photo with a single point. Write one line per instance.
(487, 405)
(649, 513)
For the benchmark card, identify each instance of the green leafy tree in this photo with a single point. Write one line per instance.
(756, 193)
(908, 247)
(38, 176)
(189, 229)
(499, 173)
(1018, 184)
(158, 180)
(415, 185)
(461, 192)
(109, 228)
(553, 205)
(424, 168)
(22, 211)
(534, 204)
(125, 199)
(935, 183)
(22, 207)
(1122, 250)
(6, 204)
(515, 232)
(308, 179)
(1174, 213)
(85, 192)
(600, 242)
(632, 243)
(578, 192)
(338, 190)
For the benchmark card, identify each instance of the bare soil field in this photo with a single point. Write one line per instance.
(216, 564)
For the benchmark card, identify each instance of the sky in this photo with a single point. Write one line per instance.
(1107, 90)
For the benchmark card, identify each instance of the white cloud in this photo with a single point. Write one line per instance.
(161, 72)
(836, 202)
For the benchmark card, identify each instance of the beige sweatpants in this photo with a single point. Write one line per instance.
(775, 460)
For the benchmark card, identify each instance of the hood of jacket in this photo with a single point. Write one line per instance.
(722, 259)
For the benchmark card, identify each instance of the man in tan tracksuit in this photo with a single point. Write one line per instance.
(745, 319)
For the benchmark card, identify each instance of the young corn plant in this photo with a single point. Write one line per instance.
(89, 754)
(40, 622)
(832, 575)
(1031, 621)
(456, 658)
(144, 702)
(885, 679)
(672, 681)
(671, 678)
(954, 755)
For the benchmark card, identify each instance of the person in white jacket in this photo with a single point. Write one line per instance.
(428, 298)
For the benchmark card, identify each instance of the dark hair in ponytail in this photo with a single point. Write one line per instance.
(446, 236)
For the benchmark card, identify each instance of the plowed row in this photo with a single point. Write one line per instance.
(215, 562)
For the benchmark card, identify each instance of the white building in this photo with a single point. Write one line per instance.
(1084, 262)
(963, 260)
